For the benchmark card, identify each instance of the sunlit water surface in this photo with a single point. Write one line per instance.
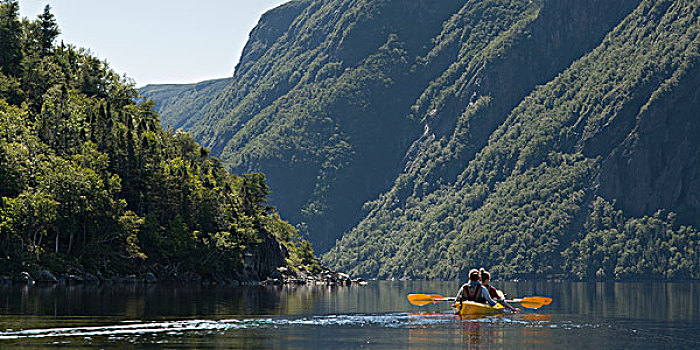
(377, 316)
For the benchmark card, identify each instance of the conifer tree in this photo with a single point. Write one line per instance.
(48, 30)
(10, 37)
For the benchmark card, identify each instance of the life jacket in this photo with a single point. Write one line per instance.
(476, 295)
(493, 292)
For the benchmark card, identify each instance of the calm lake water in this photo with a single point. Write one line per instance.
(377, 316)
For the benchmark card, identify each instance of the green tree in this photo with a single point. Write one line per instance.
(48, 30)
(10, 37)
(88, 178)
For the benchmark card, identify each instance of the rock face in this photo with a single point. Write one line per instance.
(657, 166)
(613, 127)
(533, 137)
(327, 48)
(263, 260)
(324, 182)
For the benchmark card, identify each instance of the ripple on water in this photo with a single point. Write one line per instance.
(393, 320)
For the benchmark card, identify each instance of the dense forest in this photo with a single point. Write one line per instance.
(417, 139)
(90, 181)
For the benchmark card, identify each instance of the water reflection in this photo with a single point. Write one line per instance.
(658, 301)
(478, 333)
(604, 315)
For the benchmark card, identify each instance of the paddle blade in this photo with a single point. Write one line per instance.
(540, 300)
(425, 299)
(530, 305)
(534, 302)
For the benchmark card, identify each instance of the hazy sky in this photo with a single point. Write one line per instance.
(158, 41)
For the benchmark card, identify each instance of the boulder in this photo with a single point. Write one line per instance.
(90, 278)
(126, 279)
(360, 282)
(150, 278)
(46, 276)
(74, 279)
(131, 279)
(24, 277)
(276, 275)
(101, 277)
(191, 277)
(271, 282)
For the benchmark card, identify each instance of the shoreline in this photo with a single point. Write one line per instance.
(282, 276)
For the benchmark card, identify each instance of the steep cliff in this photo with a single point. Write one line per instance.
(324, 103)
(525, 204)
(540, 138)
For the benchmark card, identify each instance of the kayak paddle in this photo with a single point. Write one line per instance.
(534, 302)
(425, 299)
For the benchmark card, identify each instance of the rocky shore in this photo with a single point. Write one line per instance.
(263, 264)
(299, 275)
(302, 276)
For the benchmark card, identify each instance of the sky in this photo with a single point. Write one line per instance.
(158, 41)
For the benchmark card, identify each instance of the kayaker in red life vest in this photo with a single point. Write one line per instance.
(474, 291)
(493, 292)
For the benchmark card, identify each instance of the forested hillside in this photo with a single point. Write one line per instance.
(537, 138)
(177, 103)
(90, 181)
(318, 103)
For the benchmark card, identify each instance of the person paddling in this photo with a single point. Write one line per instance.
(473, 291)
(493, 292)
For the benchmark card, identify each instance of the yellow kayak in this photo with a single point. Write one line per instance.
(473, 308)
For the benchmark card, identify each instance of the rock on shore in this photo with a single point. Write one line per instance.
(282, 275)
(302, 275)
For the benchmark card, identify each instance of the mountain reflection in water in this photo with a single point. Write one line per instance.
(630, 315)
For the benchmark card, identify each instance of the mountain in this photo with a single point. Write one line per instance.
(321, 66)
(90, 182)
(418, 139)
(176, 103)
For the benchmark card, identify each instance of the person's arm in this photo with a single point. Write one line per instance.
(514, 309)
(501, 299)
(458, 299)
(485, 292)
(459, 294)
